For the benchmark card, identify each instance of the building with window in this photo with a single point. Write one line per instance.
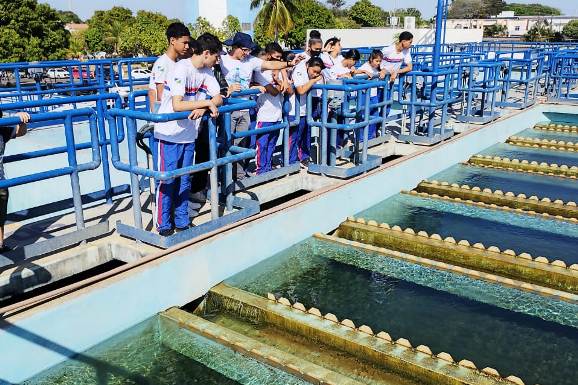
(215, 11)
(517, 26)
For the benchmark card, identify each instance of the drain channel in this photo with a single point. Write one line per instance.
(548, 144)
(497, 199)
(524, 166)
(507, 263)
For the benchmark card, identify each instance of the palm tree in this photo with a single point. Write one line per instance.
(276, 14)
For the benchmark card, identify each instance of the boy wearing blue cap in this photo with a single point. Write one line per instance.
(238, 66)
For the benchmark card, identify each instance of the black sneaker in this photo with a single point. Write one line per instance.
(5, 249)
(166, 233)
(179, 229)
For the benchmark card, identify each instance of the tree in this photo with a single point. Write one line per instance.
(570, 30)
(276, 15)
(532, 10)
(496, 30)
(309, 14)
(105, 29)
(145, 36)
(77, 46)
(231, 25)
(364, 13)
(493, 7)
(31, 31)
(466, 9)
(201, 26)
(541, 31)
(69, 17)
(336, 6)
(344, 22)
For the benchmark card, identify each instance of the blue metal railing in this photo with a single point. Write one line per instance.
(73, 169)
(471, 80)
(479, 85)
(564, 76)
(232, 155)
(100, 106)
(350, 114)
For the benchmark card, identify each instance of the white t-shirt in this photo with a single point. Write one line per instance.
(374, 73)
(193, 84)
(329, 61)
(300, 78)
(336, 71)
(163, 66)
(270, 107)
(392, 60)
(237, 71)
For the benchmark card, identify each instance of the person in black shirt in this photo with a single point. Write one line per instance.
(7, 133)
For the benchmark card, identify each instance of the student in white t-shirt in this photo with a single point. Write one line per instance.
(371, 68)
(191, 87)
(269, 109)
(314, 46)
(344, 68)
(300, 137)
(178, 36)
(238, 67)
(397, 54)
(331, 52)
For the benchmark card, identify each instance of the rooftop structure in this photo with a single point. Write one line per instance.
(517, 26)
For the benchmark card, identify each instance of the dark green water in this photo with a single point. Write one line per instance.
(537, 350)
(529, 153)
(550, 135)
(519, 183)
(506, 230)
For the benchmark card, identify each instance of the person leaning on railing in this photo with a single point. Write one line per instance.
(7, 133)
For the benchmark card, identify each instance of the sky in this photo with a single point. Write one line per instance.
(173, 8)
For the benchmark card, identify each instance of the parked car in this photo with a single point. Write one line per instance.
(85, 73)
(57, 73)
(140, 73)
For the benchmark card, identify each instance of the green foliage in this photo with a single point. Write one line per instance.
(259, 34)
(570, 30)
(364, 13)
(145, 35)
(542, 32)
(336, 4)
(344, 22)
(105, 29)
(337, 7)
(466, 9)
(30, 31)
(419, 21)
(201, 26)
(496, 30)
(69, 17)
(309, 14)
(231, 25)
(276, 16)
(493, 7)
(77, 46)
(532, 10)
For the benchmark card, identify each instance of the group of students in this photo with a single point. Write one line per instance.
(195, 75)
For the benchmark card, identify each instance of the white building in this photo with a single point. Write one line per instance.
(215, 11)
(517, 26)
